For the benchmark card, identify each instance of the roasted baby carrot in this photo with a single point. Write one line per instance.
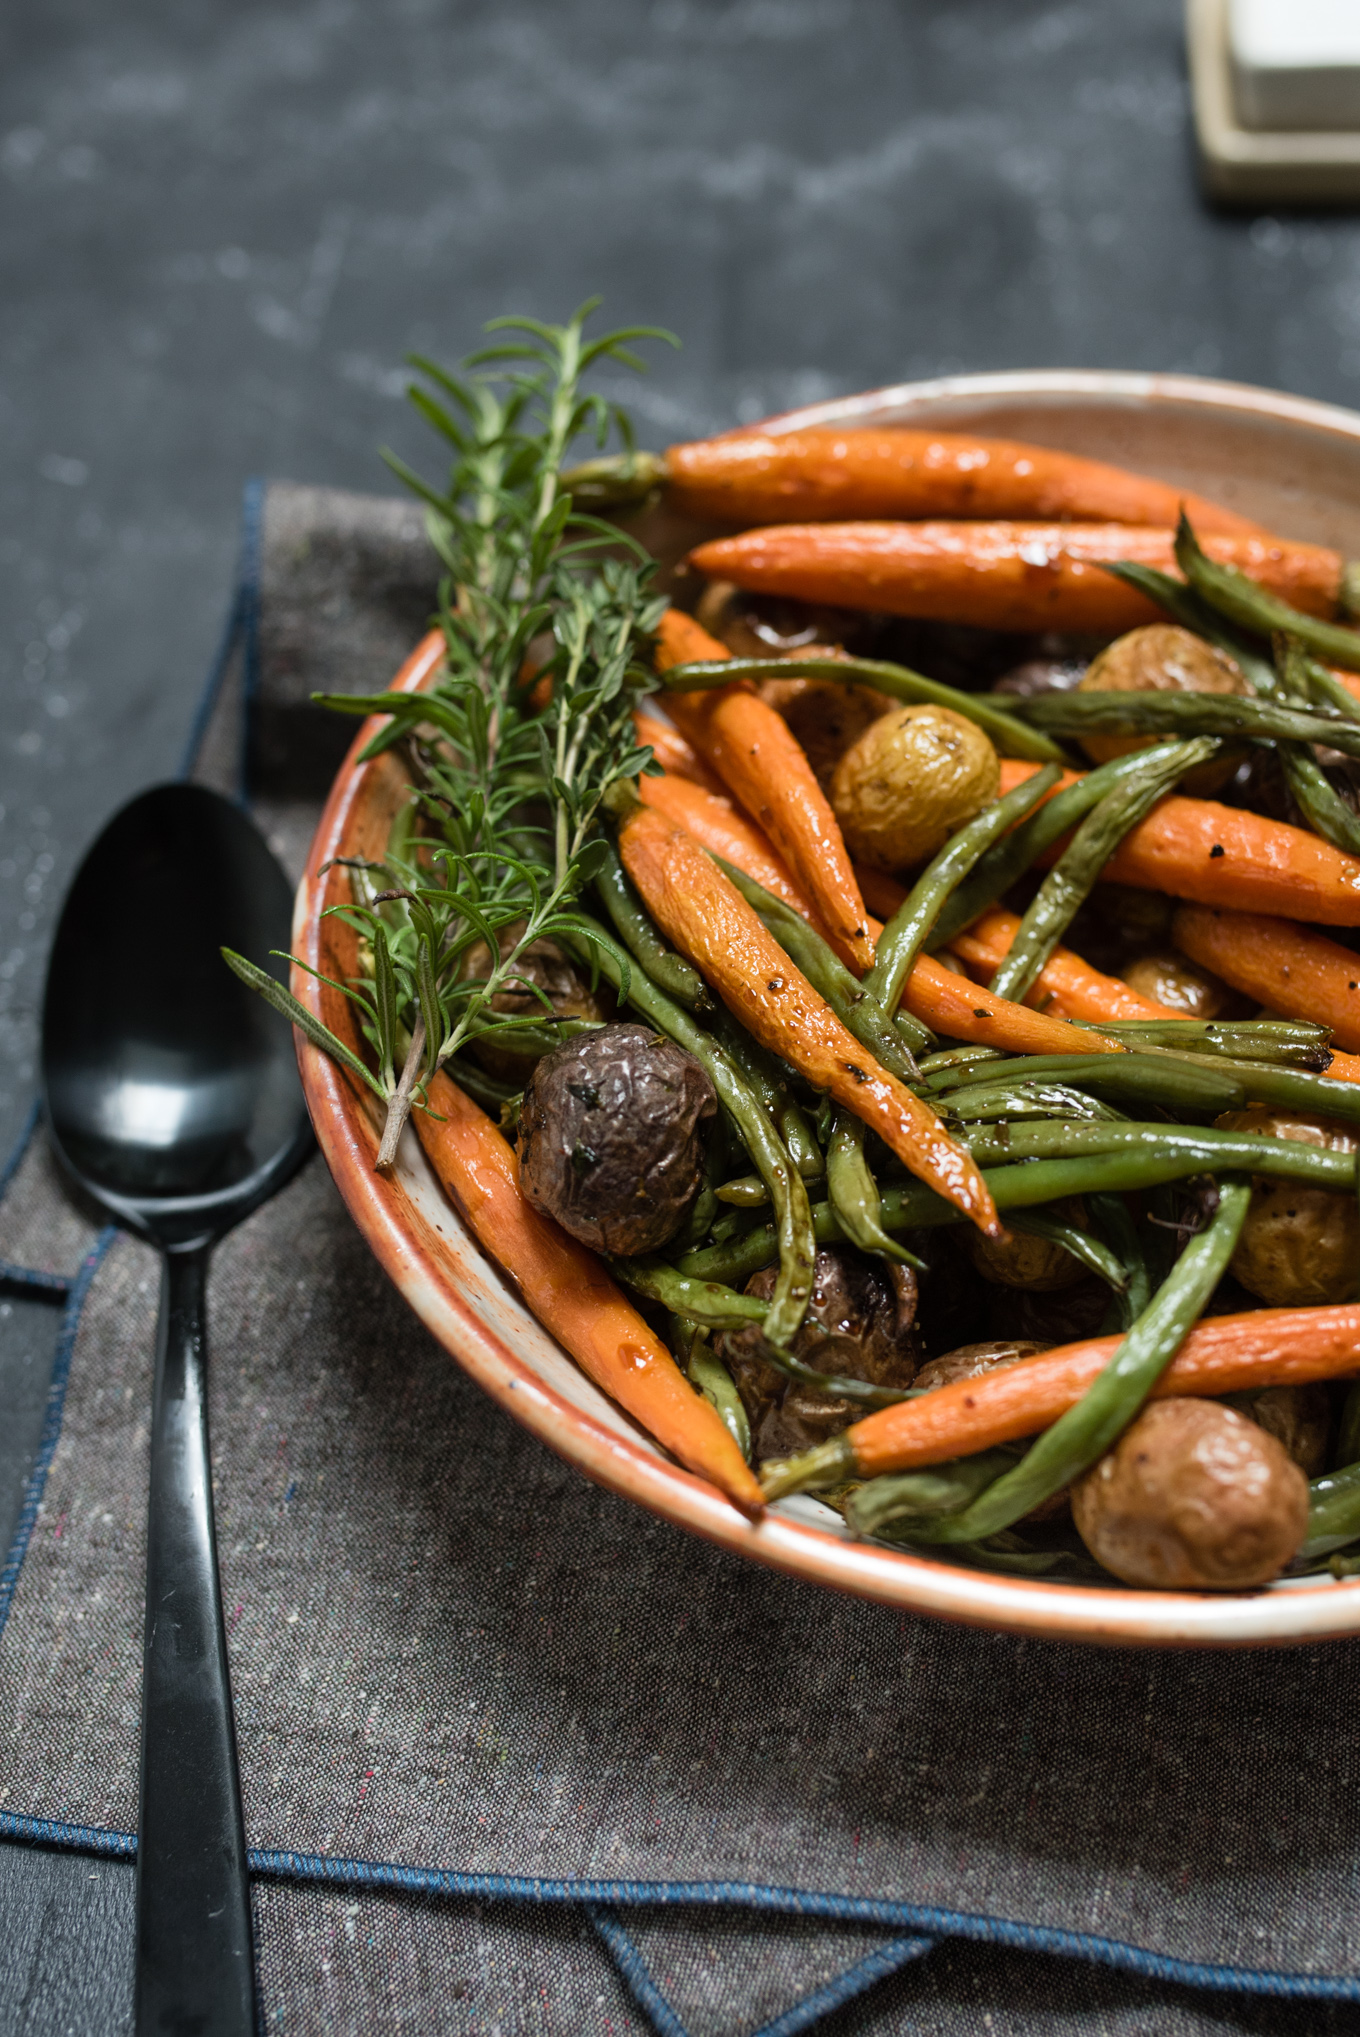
(1066, 987)
(1294, 971)
(714, 820)
(704, 915)
(681, 640)
(674, 752)
(1011, 576)
(829, 475)
(572, 1295)
(956, 1007)
(756, 754)
(1224, 856)
(1225, 1354)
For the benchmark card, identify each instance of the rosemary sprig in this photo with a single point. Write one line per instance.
(499, 835)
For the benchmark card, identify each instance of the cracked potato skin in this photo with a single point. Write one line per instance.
(1300, 1247)
(912, 779)
(1193, 1497)
(611, 1144)
(860, 1324)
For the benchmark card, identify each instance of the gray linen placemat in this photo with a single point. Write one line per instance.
(496, 1724)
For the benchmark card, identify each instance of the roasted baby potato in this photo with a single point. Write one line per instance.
(1298, 1417)
(567, 990)
(971, 1360)
(825, 717)
(914, 776)
(1020, 1260)
(860, 1323)
(611, 1140)
(1299, 1246)
(1193, 1497)
(1163, 658)
(1169, 978)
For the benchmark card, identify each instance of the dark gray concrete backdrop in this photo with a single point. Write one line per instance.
(223, 226)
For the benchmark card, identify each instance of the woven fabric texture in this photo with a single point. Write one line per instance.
(451, 1651)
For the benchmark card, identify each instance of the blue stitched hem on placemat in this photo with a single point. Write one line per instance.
(836, 1994)
(392, 1877)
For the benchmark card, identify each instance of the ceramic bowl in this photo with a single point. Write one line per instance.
(1292, 464)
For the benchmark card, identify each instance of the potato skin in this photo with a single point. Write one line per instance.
(1169, 978)
(566, 988)
(824, 718)
(1020, 1260)
(913, 777)
(1300, 1420)
(1193, 1497)
(1300, 1247)
(860, 1323)
(970, 1361)
(610, 1139)
(1162, 658)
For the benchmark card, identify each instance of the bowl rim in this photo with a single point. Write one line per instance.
(416, 1259)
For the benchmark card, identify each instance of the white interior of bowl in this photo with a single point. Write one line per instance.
(1296, 466)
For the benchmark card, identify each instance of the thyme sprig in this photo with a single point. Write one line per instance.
(498, 837)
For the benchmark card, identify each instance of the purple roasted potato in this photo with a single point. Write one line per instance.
(859, 1323)
(610, 1137)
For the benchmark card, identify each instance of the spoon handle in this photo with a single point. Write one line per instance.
(195, 1967)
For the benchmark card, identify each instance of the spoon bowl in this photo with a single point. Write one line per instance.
(173, 1099)
(172, 1090)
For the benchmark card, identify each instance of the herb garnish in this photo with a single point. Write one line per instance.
(515, 745)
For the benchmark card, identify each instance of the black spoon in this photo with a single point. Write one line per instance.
(173, 1098)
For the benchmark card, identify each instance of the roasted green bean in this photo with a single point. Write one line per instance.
(993, 1102)
(1244, 601)
(1331, 691)
(918, 1495)
(1312, 791)
(1188, 715)
(1110, 1214)
(853, 1192)
(714, 1382)
(1067, 885)
(671, 972)
(892, 1041)
(1115, 1396)
(909, 928)
(1202, 1147)
(1290, 1042)
(1011, 857)
(959, 1057)
(1009, 735)
(1028, 1184)
(1192, 1085)
(766, 1077)
(1333, 1512)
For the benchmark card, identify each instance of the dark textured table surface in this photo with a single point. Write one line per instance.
(222, 228)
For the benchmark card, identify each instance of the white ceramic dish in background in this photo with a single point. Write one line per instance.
(1294, 465)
